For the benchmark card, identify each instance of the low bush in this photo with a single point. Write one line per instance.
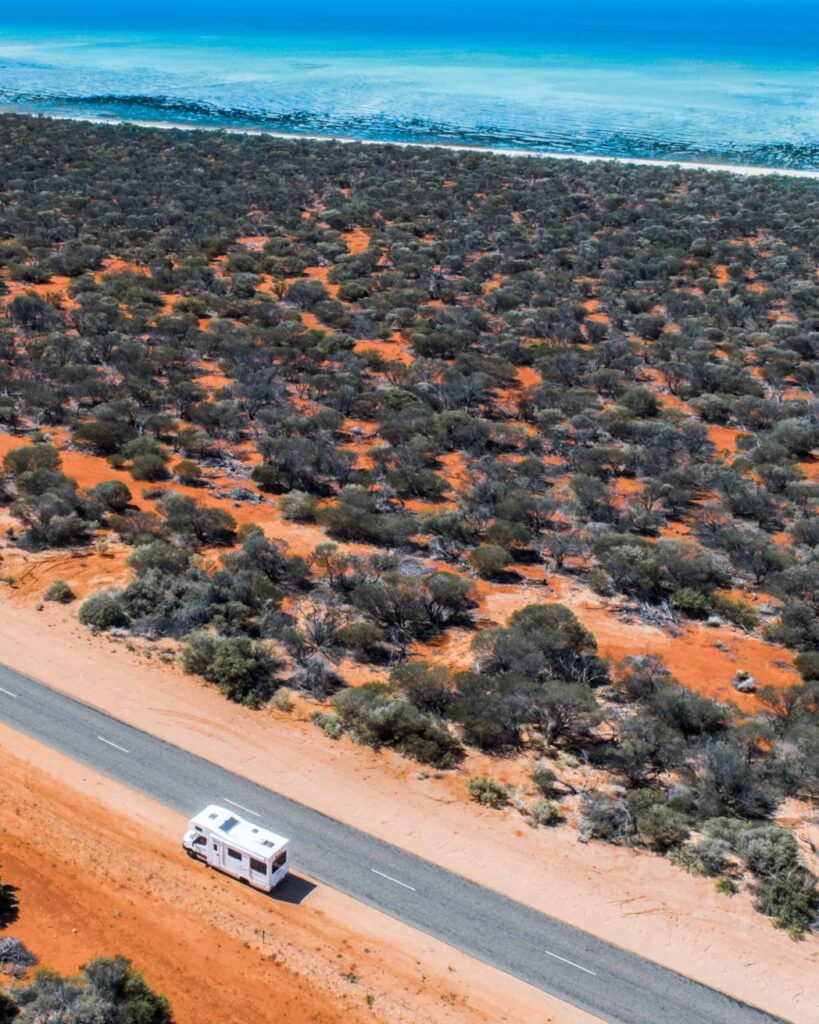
(60, 592)
(188, 472)
(543, 812)
(329, 723)
(371, 715)
(244, 671)
(488, 792)
(660, 827)
(282, 699)
(791, 900)
(489, 560)
(544, 778)
(103, 611)
(605, 817)
(299, 506)
(107, 989)
(726, 886)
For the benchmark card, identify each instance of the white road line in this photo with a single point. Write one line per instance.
(102, 739)
(571, 963)
(391, 879)
(8, 693)
(241, 807)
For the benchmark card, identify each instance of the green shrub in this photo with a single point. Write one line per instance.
(59, 591)
(738, 612)
(791, 900)
(149, 467)
(30, 458)
(188, 472)
(371, 715)
(112, 495)
(299, 506)
(489, 560)
(544, 778)
(103, 611)
(807, 664)
(488, 792)
(660, 827)
(329, 723)
(605, 817)
(108, 989)
(360, 636)
(244, 671)
(690, 602)
(282, 699)
(705, 858)
(726, 886)
(543, 812)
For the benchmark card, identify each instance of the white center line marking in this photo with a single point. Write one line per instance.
(241, 807)
(8, 693)
(571, 963)
(391, 879)
(102, 739)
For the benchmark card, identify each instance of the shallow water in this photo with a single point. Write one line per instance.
(732, 95)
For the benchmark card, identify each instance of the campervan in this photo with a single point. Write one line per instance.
(246, 851)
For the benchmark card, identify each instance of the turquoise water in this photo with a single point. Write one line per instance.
(742, 87)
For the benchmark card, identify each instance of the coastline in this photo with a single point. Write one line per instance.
(740, 169)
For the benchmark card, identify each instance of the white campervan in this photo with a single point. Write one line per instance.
(225, 841)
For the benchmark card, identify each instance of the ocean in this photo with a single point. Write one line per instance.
(734, 83)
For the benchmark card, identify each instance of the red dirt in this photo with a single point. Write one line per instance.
(99, 871)
(610, 891)
(356, 240)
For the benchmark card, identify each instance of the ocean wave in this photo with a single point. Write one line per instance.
(570, 138)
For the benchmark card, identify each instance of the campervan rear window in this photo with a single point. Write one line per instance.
(258, 865)
(279, 861)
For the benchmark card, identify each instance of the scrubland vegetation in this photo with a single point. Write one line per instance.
(458, 371)
(107, 989)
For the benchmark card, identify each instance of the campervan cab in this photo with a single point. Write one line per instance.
(246, 851)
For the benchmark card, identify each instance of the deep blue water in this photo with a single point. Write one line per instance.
(723, 82)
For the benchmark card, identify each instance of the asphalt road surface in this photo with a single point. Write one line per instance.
(603, 979)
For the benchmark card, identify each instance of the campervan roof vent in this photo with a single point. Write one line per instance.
(229, 824)
(268, 842)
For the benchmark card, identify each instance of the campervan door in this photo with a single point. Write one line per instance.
(240, 864)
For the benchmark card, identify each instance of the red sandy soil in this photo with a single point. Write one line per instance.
(356, 240)
(638, 901)
(99, 871)
(115, 265)
(394, 350)
(528, 377)
(320, 274)
(54, 290)
(594, 312)
(811, 470)
(723, 438)
(212, 377)
(252, 241)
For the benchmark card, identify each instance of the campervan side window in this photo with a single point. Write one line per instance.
(234, 854)
(258, 865)
(279, 861)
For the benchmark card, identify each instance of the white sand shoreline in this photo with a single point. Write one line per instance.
(746, 171)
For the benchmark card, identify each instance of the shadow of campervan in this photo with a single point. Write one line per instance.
(294, 889)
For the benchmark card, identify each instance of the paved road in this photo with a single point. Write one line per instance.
(603, 979)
